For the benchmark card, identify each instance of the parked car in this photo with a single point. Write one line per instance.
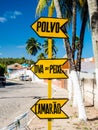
(25, 78)
(2, 80)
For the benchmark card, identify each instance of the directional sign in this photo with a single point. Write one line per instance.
(49, 69)
(50, 27)
(50, 108)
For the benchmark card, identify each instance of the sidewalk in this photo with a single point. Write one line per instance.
(73, 123)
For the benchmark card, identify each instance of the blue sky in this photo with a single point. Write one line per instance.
(16, 17)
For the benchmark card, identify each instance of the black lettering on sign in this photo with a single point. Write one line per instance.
(55, 69)
(39, 109)
(43, 28)
(57, 108)
(38, 25)
(57, 27)
(38, 69)
(48, 108)
(52, 26)
(46, 68)
(36, 108)
(48, 26)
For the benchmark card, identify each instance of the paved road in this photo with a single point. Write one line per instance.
(17, 98)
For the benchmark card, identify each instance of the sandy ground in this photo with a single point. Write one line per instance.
(12, 107)
(73, 123)
(69, 124)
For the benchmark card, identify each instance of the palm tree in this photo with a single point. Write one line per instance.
(41, 56)
(66, 11)
(32, 46)
(85, 19)
(54, 48)
(74, 2)
(41, 5)
(23, 60)
(71, 51)
(73, 75)
(93, 13)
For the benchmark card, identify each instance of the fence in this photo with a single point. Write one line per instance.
(20, 123)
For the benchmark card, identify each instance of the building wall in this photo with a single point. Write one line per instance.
(88, 87)
(17, 73)
(87, 84)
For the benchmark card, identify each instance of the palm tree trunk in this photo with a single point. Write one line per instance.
(57, 7)
(66, 41)
(73, 73)
(67, 46)
(82, 32)
(78, 96)
(93, 12)
(74, 28)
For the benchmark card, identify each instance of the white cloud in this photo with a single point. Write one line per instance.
(0, 53)
(12, 14)
(9, 15)
(3, 19)
(17, 13)
(21, 46)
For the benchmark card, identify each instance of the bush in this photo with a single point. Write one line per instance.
(2, 69)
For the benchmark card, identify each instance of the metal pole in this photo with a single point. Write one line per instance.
(49, 80)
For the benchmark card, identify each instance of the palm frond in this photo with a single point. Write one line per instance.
(32, 46)
(41, 5)
(82, 2)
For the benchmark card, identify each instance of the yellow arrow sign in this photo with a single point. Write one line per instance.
(49, 69)
(50, 108)
(50, 27)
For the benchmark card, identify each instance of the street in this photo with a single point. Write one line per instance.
(17, 98)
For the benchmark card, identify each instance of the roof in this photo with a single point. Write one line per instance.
(15, 66)
(87, 65)
(25, 65)
(66, 66)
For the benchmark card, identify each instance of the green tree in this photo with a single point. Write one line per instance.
(54, 48)
(23, 60)
(32, 46)
(2, 69)
(41, 56)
